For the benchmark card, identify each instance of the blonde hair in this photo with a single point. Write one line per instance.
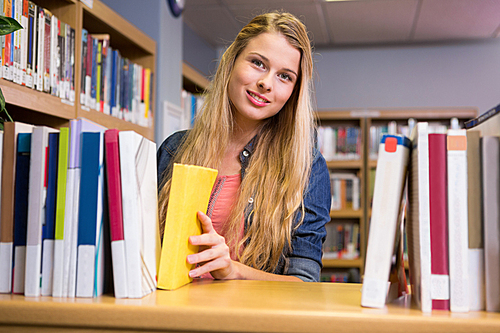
(279, 168)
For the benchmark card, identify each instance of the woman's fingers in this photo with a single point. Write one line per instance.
(208, 254)
(206, 223)
(214, 265)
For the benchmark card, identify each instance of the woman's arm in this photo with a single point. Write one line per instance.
(215, 258)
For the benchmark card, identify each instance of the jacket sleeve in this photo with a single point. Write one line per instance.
(166, 152)
(305, 260)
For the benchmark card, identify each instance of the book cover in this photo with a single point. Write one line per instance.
(90, 217)
(6, 52)
(77, 127)
(458, 237)
(189, 193)
(36, 209)
(20, 211)
(114, 190)
(24, 41)
(40, 45)
(62, 171)
(48, 229)
(32, 33)
(490, 151)
(418, 221)
(9, 157)
(390, 178)
(140, 212)
(440, 279)
(47, 50)
(475, 220)
(83, 68)
(54, 55)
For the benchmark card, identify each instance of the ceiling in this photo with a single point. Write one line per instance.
(354, 22)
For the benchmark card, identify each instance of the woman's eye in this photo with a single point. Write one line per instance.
(258, 63)
(285, 76)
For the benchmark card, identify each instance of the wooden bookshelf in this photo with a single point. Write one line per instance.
(235, 306)
(365, 118)
(40, 108)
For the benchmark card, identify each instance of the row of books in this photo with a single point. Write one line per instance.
(346, 190)
(72, 199)
(339, 142)
(452, 229)
(42, 54)
(112, 84)
(342, 241)
(393, 127)
(350, 276)
(191, 106)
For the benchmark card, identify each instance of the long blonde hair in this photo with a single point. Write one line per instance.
(279, 168)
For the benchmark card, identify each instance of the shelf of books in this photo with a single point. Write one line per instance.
(74, 61)
(352, 165)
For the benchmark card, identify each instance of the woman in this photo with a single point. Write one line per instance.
(271, 200)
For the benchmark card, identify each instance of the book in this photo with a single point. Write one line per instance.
(490, 152)
(458, 224)
(47, 50)
(190, 191)
(48, 229)
(31, 54)
(77, 126)
(418, 221)
(440, 278)
(140, 212)
(40, 45)
(114, 190)
(6, 52)
(89, 282)
(9, 157)
(36, 209)
(390, 178)
(21, 210)
(475, 222)
(62, 171)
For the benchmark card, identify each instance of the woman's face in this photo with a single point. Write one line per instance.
(263, 78)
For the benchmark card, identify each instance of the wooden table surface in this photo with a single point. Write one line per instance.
(235, 306)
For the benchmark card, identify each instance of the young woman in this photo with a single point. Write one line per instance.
(271, 199)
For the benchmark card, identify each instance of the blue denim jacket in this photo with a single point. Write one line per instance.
(304, 258)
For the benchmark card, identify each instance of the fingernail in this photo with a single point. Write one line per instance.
(192, 273)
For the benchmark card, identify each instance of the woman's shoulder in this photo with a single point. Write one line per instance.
(170, 144)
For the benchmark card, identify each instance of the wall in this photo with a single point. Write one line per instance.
(198, 53)
(153, 17)
(449, 75)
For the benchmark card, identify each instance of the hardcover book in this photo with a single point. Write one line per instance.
(390, 178)
(189, 193)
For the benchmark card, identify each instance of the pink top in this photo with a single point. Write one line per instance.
(224, 196)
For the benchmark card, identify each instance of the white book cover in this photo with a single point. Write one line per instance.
(77, 126)
(36, 209)
(390, 178)
(54, 56)
(24, 47)
(458, 235)
(491, 181)
(40, 67)
(17, 8)
(418, 221)
(6, 243)
(140, 212)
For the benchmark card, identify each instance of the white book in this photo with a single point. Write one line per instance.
(77, 126)
(36, 209)
(418, 222)
(390, 178)
(140, 212)
(40, 67)
(491, 182)
(24, 46)
(18, 13)
(54, 56)
(458, 224)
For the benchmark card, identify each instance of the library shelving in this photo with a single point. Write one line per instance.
(364, 166)
(40, 108)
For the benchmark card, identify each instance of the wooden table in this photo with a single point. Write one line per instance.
(234, 306)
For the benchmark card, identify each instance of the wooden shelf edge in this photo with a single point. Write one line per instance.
(117, 22)
(344, 164)
(346, 213)
(467, 112)
(35, 100)
(342, 263)
(194, 76)
(109, 122)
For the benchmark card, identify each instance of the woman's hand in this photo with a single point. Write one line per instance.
(214, 257)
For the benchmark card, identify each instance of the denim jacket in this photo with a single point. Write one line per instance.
(304, 258)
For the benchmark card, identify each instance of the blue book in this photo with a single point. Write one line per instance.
(90, 216)
(112, 102)
(21, 210)
(93, 84)
(48, 229)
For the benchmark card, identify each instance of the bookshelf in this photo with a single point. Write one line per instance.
(235, 306)
(39, 108)
(365, 166)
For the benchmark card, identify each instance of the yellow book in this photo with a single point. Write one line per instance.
(189, 193)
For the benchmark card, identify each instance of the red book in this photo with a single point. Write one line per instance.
(114, 189)
(440, 281)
